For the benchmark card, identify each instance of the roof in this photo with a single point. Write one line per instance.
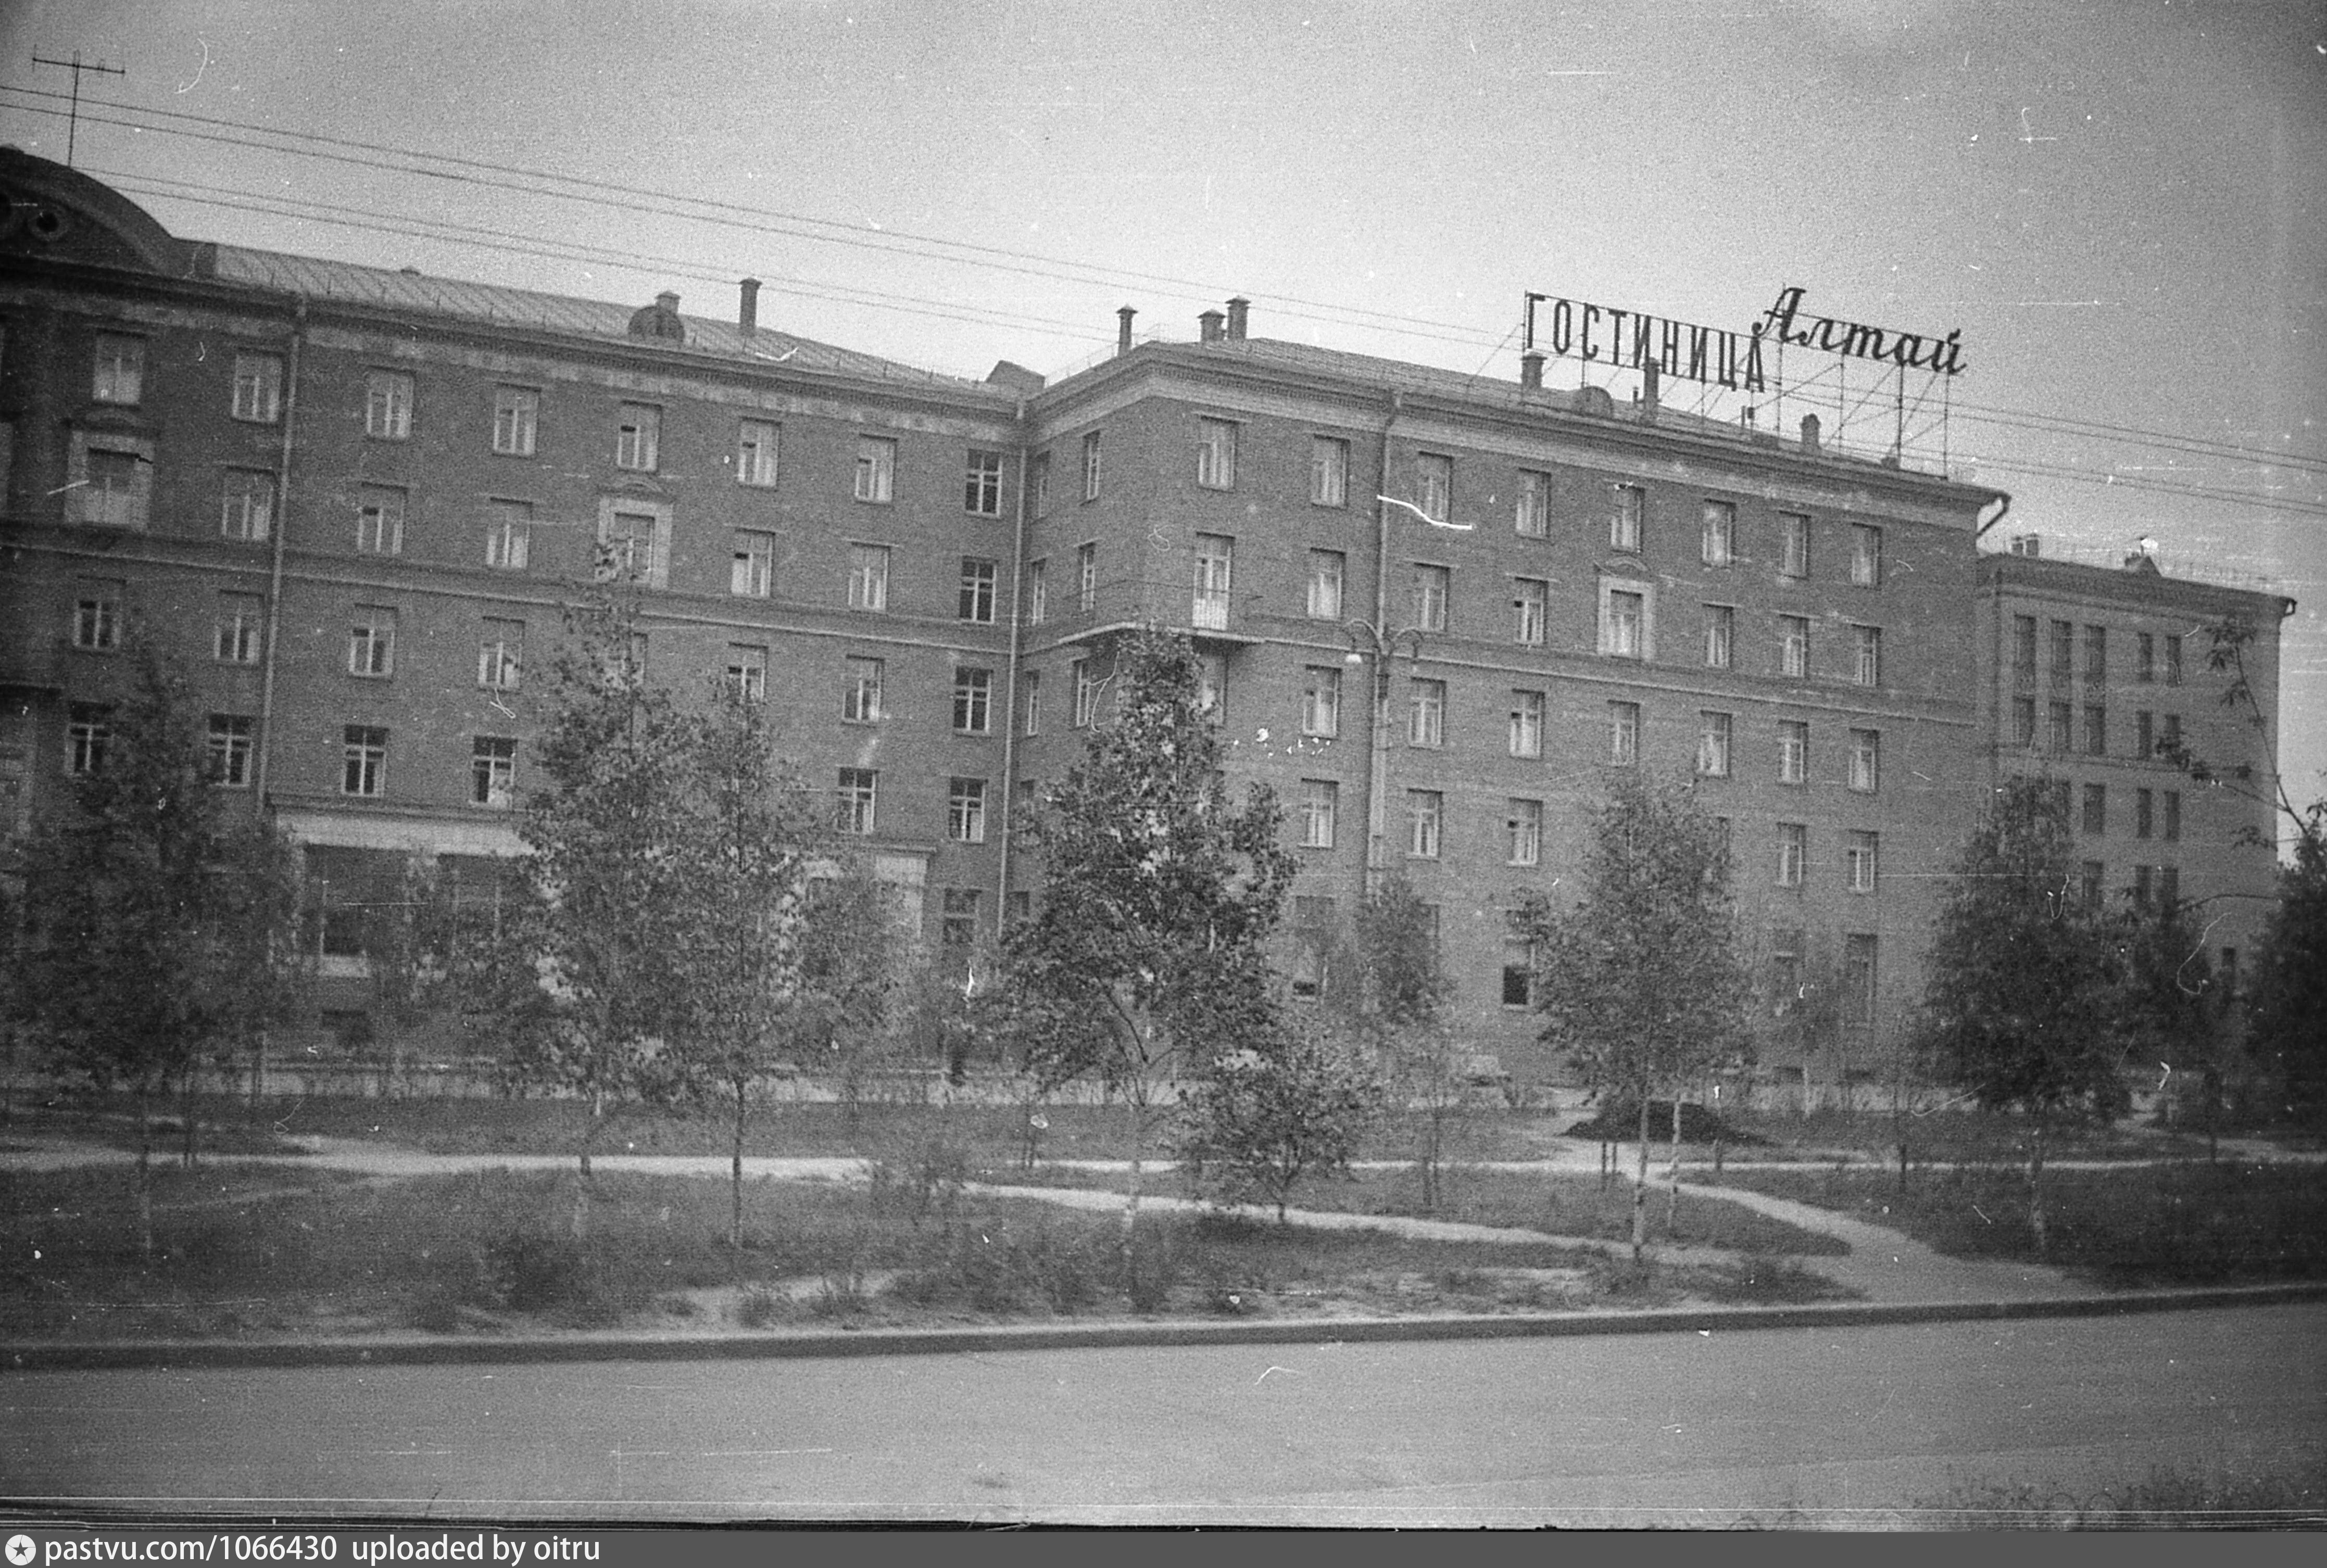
(349, 283)
(2136, 581)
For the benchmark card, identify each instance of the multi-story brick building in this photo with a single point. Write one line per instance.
(1438, 613)
(2095, 678)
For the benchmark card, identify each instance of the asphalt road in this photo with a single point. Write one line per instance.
(1630, 1430)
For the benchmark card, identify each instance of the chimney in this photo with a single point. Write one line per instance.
(1531, 371)
(1651, 372)
(1811, 434)
(1208, 326)
(747, 315)
(1123, 316)
(668, 301)
(1240, 311)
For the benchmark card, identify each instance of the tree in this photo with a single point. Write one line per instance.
(1639, 982)
(1394, 1000)
(1293, 1104)
(163, 917)
(2171, 1012)
(1157, 899)
(2024, 980)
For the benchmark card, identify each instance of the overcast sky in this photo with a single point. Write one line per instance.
(2119, 205)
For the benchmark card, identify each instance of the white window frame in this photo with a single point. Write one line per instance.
(1794, 647)
(371, 643)
(638, 437)
(88, 736)
(1611, 641)
(876, 469)
(1216, 454)
(501, 654)
(1321, 701)
(388, 405)
(1037, 591)
(1212, 597)
(860, 696)
(379, 518)
(973, 700)
(257, 397)
(1867, 665)
(1425, 717)
(981, 489)
(1530, 610)
(1526, 735)
(1720, 635)
(746, 673)
(658, 539)
(758, 453)
(1531, 512)
(856, 796)
(1321, 801)
(509, 534)
(1524, 824)
(965, 810)
(1793, 545)
(1433, 587)
(1086, 576)
(118, 373)
(1865, 555)
(1433, 485)
(1793, 853)
(1720, 543)
(1328, 569)
(363, 760)
(1329, 472)
(1861, 854)
(493, 771)
(1793, 751)
(1866, 761)
(868, 578)
(97, 616)
(1628, 506)
(1086, 693)
(91, 499)
(1425, 822)
(1091, 465)
(517, 420)
(752, 563)
(246, 506)
(980, 590)
(228, 749)
(1716, 733)
(240, 630)
(1623, 735)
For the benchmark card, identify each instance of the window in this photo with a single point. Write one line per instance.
(1530, 602)
(1531, 515)
(1425, 812)
(2142, 886)
(2023, 721)
(380, 520)
(1794, 646)
(1793, 545)
(1793, 751)
(89, 731)
(755, 452)
(1624, 616)
(1720, 635)
(1043, 484)
(114, 480)
(247, 512)
(1216, 454)
(363, 759)
(747, 671)
(965, 810)
(1627, 501)
(1321, 701)
(2024, 650)
(1623, 733)
(1866, 760)
(1320, 801)
(1212, 685)
(1087, 577)
(2062, 638)
(1523, 828)
(981, 485)
(1030, 691)
(371, 641)
(957, 918)
(977, 577)
(634, 546)
(501, 655)
(1793, 853)
(2172, 738)
(1865, 555)
(973, 700)
(868, 577)
(2096, 730)
(1038, 591)
(860, 692)
(2173, 659)
(2096, 812)
(1720, 533)
(2172, 816)
(1518, 972)
(1090, 466)
(258, 387)
(638, 437)
(1868, 668)
(1432, 586)
(1215, 555)
(516, 416)
(752, 569)
(2169, 886)
(1086, 693)
(1858, 954)
(97, 615)
(2144, 658)
(121, 375)
(854, 800)
(236, 632)
(1433, 477)
(1325, 569)
(228, 754)
(2059, 723)
(1713, 732)
(1526, 724)
(493, 771)
(2091, 876)
(1785, 969)
(2145, 804)
(2095, 656)
(1858, 856)
(877, 467)
(1425, 721)
(388, 405)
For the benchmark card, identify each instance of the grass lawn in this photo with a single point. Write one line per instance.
(2182, 1224)
(1955, 1137)
(280, 1251)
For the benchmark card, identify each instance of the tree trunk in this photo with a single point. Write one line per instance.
(735, 1176)
(258, 1069)
(186, 1136)
(2036, 1186)
(1672, 1177)
(145, 1177)
(1640, 1188)
(1131, 1204)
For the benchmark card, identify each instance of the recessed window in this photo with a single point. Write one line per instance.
(2090, 877)
(1090, 466)
(1519, 973)
(2096, 808)
(2097, 730)
(1712, 735)
(2061, 637)
(493, 771)
(634, 547)
(1216, 454)
(237, 633)
(1858, 955)
(2060, 724)
(388, 405)
(746, 674)
(1523, 833)
(1526, 736)
(1321, 701)
(1215, 559)
(751, 566)
(755, 452)
(1794, 646)
(957, 918)
(2145, 813)
(1623, 735)
(856, 798)
(2173, 659)
(508, 535)
(1866, 760)
(372, 642)
(1530, 609)
(516, 419)
(1720, 548)
(1720, 635)
(88, 736)
(1433, 477)
(113, 481)
(638, 437)
(501, 654)
(121, 373)
(2095, 656)
(1865, 555)
(2144, 734)
(1030, 698)
(1325, 571)
(977, 579)
(258, 387)
(860, 692)
(1627, 502)
(1858, 858)
(1868, 667)
(1793, 751)
(1531, 513)
(1042, 471)
(973, 699)
(981, 490)
(1320, 804)
(1425, 811)
(1329, 472)
(1793, 545)
(1624, 622)
(2172, 816)
(1038, 591)
(1086, 687)
(2023, 650)
(379, 519)
(965, 810)
(1431, 588)
(1087, 577)
(363, 759)
(97, 615)
(1793, 853)
(868, 577)
(247, 512)
(228, 749)
(876, 469)
(2023, 721)
(1425, 719)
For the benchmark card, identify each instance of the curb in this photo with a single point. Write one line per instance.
(53, 1355)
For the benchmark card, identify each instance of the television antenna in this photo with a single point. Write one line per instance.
(76, 65)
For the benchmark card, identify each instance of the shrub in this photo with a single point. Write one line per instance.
(758, 1307)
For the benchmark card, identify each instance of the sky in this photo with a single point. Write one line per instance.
(2118, 205)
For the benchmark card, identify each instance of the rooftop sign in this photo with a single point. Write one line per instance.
(1634, 340)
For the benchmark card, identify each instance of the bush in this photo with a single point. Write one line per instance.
(759, 1308)
(1619, 1121)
